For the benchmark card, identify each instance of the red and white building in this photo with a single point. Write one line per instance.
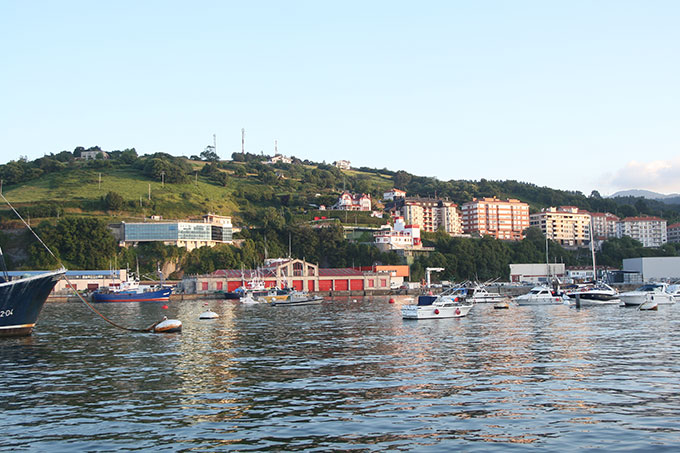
(394, 194)
(353, 202)
(294, 273)
(431, 214)
(401, 236)
(502, 219)
(651, 231)
(673, 232)
(604, 225)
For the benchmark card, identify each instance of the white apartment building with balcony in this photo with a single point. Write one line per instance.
(651, 231)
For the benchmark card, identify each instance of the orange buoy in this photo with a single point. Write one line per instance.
(457, 311)
(165, 307)
(436, 311)
(392, 300)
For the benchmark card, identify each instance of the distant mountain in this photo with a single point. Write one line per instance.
(643, 194)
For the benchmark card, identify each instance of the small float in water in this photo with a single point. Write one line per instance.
(649, 305)
(502, 305)
(166, 326)
(208, 314)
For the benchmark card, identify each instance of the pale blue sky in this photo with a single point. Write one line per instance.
(576, 95)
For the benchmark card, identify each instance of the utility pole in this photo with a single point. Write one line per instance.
(243, 141)
(149, 191)
(163, 179)
(215, 143)
(100, 181)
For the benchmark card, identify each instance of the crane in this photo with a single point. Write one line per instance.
(429, 270)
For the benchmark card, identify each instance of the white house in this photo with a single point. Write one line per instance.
(342, 164)
(401, 236)
(353, 202)
(394, 194)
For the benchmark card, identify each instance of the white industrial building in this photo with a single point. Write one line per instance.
(536, 273)
(660, 268)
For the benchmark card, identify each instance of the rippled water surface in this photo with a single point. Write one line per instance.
(345, 375)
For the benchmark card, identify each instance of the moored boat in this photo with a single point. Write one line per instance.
(596, 293)
(131, 291)
(656, 292)
(299, 298)
(22, 300)
(541, 295)
(445, 305)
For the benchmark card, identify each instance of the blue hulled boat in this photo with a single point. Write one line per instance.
(134, 293)
(22, 300)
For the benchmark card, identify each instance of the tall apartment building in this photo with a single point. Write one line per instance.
(502, 219)
(566, 225)
(604, 225)
(213, 230)
(673, 232)
(430, 214)
(651, 231)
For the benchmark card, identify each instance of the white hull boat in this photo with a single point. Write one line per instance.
(298, 298)
(445, 305)
(541, 295)
(653, 292)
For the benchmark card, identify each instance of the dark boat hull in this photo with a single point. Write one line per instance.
(160, 295)
(22, 300)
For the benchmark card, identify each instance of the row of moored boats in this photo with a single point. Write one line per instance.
(457, 302)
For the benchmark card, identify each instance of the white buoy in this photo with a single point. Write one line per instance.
(167, 326)
(209, 314)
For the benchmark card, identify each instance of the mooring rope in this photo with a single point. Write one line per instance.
(70, 285)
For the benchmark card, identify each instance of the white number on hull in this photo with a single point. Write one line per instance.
(6, 313)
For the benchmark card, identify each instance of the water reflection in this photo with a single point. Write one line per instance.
(343, 375)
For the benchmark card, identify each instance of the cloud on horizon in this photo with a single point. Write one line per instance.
(658, 175)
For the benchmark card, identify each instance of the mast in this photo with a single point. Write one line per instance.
(592, 249)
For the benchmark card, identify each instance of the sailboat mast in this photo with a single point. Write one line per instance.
(592, 249)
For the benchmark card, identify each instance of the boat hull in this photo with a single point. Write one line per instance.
(636, 299)
(309, 301)
(434, 312)
(22, 300)
(160, 295)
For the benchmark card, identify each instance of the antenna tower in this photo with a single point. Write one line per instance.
(243, 140)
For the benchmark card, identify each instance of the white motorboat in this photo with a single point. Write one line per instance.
(298, 298)
(445, 305)
(597, 293)
(657, 292)
(249, 299)
(542, 295)
(477, 294)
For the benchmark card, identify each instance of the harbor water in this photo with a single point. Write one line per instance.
(346, 375)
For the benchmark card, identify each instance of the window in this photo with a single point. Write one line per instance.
(204, 286)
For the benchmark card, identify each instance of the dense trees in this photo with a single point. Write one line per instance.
(78, 242)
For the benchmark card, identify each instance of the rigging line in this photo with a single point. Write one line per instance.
(66, 278)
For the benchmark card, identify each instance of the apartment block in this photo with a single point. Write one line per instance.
(673, 232)
(431, 214)
(502, 219)
(566, 224)
(604, 225)
(651, 231)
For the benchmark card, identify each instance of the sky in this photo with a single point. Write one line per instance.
(576, 95)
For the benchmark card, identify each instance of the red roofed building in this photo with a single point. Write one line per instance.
(294, 273)
(651, 231)
(502, 219)
(673, 232)
(604, 225)
(353, 202)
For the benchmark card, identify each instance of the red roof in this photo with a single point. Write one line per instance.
(640, 219)
(339, 272)
(675, 225)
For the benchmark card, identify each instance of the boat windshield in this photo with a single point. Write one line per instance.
(648, 288)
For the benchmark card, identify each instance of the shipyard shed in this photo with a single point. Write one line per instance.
(658, 268)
